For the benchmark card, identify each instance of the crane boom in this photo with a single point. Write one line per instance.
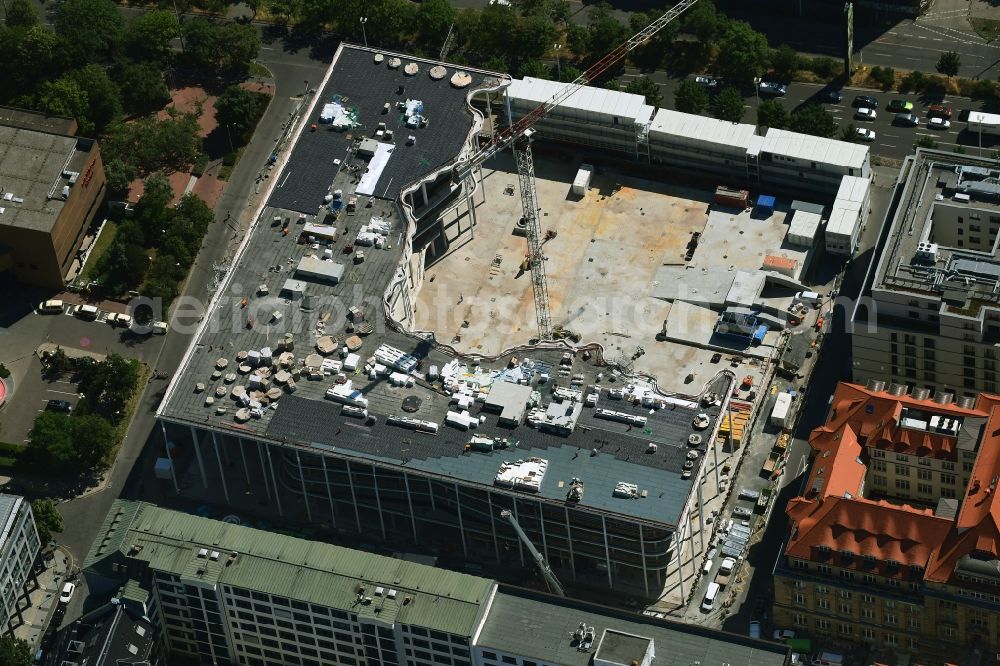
(502, 139)
(550, 578)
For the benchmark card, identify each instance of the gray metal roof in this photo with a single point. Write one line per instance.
(701, 128)
(8, 504)
(533, 626)
(815, 148)
(611, 103)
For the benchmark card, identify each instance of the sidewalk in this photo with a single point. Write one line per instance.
(40, 604)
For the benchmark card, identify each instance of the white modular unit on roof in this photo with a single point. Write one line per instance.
(850, 210)
(598, 105)
(317, 269)
(804, 149)
(803, 229)
(674, 126)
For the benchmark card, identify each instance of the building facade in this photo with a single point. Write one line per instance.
(893, 542)
(929, 317)
(19, 547)
(52, 186)
(225, 594)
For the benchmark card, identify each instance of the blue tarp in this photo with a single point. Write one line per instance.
(765, 202)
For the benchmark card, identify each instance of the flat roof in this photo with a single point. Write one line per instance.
(270, 563)
(36, 120)
(31, 168)
(586, 98)
(816, 148)
(702, 128)
(8, 504)
(526, 624)
(932, 178)
(365, 85)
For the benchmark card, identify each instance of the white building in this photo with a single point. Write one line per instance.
(597, 117)
(19, 546)
(687, 141)
(849, 214)
(811, 162)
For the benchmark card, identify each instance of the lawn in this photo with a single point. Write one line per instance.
(9, 454)
(988, 29)
(101, 246)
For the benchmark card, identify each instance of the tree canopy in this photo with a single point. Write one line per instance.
(107, 386)
(47, 519)
(647, 87)
(91, 29)
(15, 651)
(771, 113)
(813, 119)
(949, 63)
(21, 14)
(690, 97)
(743, 53)
(728, 105)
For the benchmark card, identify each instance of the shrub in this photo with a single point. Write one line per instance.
(915, 81)
(822, 66)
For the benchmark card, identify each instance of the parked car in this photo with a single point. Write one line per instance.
(831, 96)
(51, 306)
(755, 629)
(865, 134)
(67, 593)
(772, 88)
(783, 634)
(865, 113)
(900, 106)
(712, 553)
(707, 81)
(742, 512)
(938, 123)
(727, 566)
(63, 406)
(865, 102)
(749, 494)
(906, 119)
(938, 111)
(87, 312)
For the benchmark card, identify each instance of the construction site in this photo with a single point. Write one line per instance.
(433, 341)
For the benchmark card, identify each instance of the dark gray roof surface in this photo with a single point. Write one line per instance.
(521, 624)
(367, 86)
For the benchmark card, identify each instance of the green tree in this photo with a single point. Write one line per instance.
(728, 105)
(27, 56)
(123, 266)
(21, 14)
(569, 73)
(850, 133)
(239, 44)
(534, 68)
(47, 519)
(949, 63)
(743, 52)
(784, 61)
(813, 119)
(103, 96)
(95, 440)
(650, 55)
(771, 113)
(149, 35)
(690, 97)
(107, 386)
(535, 36)
(152, 211)
(51, 440)
(704, 22)
(91, 29)
(151, 144)
(925, 142)
(605, 31)
(612, 84)
(885, 76)
(434, 18)
(142, 87)
(15, 651)
(647, 87)
(57, 363)
(237, 109)
(65, 97)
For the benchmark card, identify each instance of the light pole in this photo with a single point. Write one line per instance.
(558, 67)
(364, 20)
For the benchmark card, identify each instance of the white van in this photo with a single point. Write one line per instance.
(710, 595)
(51, 306)
(160, 328)
(87, 312)
(124, 320)
(707, 568)
(810, 297)
(827, 659)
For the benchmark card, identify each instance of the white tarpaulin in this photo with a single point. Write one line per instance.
(375, 167)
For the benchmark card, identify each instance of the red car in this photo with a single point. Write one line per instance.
(939, 111)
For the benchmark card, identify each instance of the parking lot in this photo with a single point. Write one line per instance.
(27, 329)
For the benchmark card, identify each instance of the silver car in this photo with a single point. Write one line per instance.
(742, 512)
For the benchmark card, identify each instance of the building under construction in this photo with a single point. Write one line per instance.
(314, 390)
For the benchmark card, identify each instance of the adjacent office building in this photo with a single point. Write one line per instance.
(226, 594)
(19, 546)
(929, 317)
(118, 633)
(894, 541)
(52, 184)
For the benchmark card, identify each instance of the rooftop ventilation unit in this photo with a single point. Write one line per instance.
(897, 389)
(967, 402)
(202, 552)
(876, 385)
(921, 393)
(944, 398)
(214, 556)
(926, 251)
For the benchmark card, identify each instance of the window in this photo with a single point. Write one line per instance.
(800, 600)
(924, 474)
(868, 633)
(925, 488)
(890, 619)
(823, 604)
(867, 614)
(845, 629)
(902, 484)
(948, 479)
(902, 470)
(878, 465)
(845, 609)
(799, 619)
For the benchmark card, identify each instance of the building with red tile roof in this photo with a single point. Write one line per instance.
(895, 539)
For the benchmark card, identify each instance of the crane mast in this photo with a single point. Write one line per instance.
(518, 135)
(550, 578)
